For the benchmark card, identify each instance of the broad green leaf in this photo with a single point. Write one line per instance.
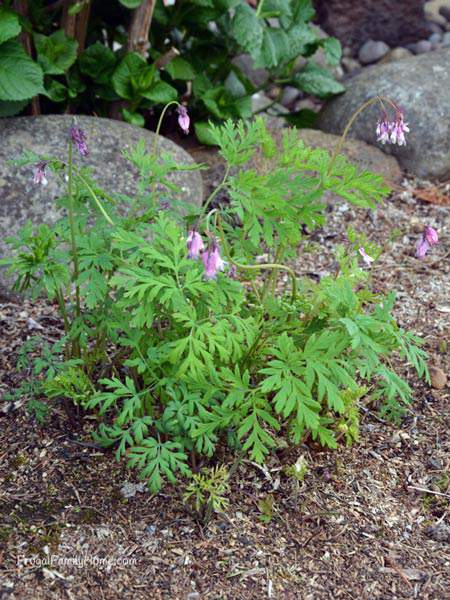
(98, 61)
(56, 52)
(9, 24)
(203, 133)
(160, 93)
(11, 108)
(131, 3)
(126, 74)
(133, 118)
(20, 77)
(333, 50)
(247, 29)
(56, 91)
(179, 68)
(317, 81)
(274, 49)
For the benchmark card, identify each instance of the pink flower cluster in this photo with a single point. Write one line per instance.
(212, 261)
(39, 174)
(428, 239)
(392, 132)
(79, 139)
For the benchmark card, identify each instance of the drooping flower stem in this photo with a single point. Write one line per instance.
(270, 266)
(158, 127)
(73, 231)
(353, 118)
(343, 137)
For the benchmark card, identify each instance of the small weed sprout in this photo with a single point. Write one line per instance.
(207, 492)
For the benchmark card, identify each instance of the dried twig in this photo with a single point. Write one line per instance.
(426, 491)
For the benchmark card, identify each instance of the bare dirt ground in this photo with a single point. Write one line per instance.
(368, 522)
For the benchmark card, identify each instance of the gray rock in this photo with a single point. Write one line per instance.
(396, 54)
(446, 39)
(420, 85)
(48, 136)
(372, 51)
(365, 156)
(423, 46)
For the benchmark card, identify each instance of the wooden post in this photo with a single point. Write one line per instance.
(140, 27)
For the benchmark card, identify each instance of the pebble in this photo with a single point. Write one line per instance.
(444, 11)
(350, 64)
(439, 533)
(396, 54)
(423, 46)
(435, 38)
(446, 39)
(371, 51)
(438, 378)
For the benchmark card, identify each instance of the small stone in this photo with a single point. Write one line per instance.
(433, 14)
(350, 64)
(423, 46)
(435, 463)
(290, 95)
(446, 39)
(438, 378)
(129, 490)
(435, 38)
(371, 51)
(150, 529)
(444, 11)
(439, 533)
(396, 54)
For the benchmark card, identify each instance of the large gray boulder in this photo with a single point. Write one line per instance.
(21, 200)
(421, 87)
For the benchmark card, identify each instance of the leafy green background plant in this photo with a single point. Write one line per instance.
(194, 55)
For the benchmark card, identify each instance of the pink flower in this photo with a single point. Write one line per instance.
(366, 258)
(398, 129)
(183, 119)
(212, 261)
(431, 235)
(194, 244)
(39, 173)
(384, 130)
(79, 139)
(392, 132)
(428, 239)
(168, 3)
(422, 248)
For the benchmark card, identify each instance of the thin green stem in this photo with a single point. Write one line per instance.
(95, 197)
(259, 9)
(214, 193)
(258, 267)
(158, 127)
(73, 231)
(343, 137)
